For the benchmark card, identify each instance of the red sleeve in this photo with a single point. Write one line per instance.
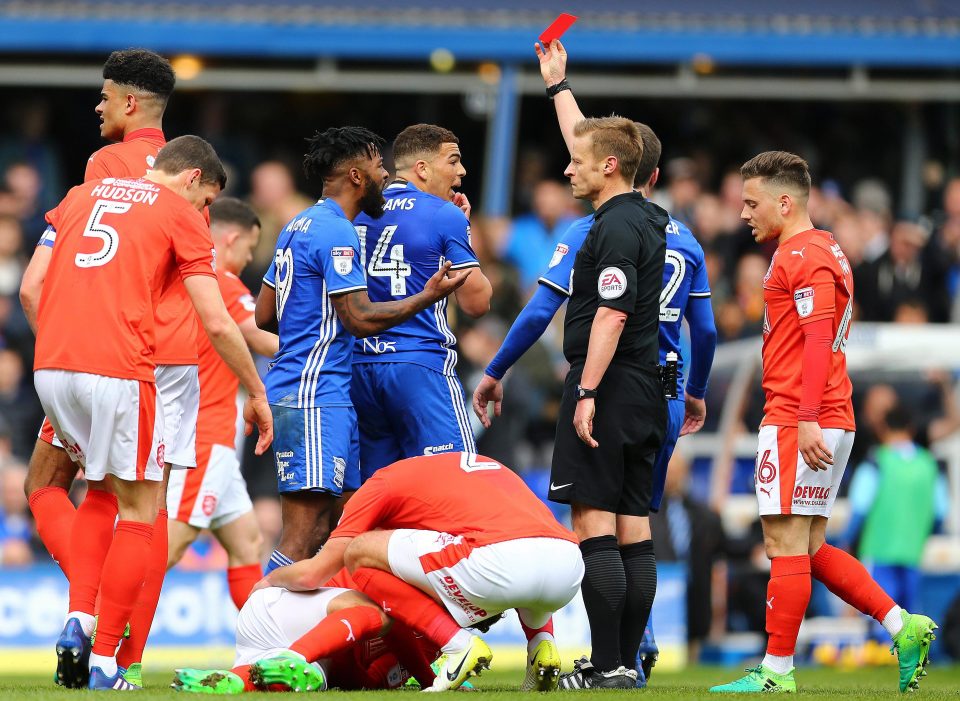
(817, 347)
(192, 245)
(365, 510)
(813, 282)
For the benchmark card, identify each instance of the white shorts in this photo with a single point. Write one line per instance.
(109, 425)
(541, 575)
(179, 389)
(273, 618)
(784, 483)
(212, 495)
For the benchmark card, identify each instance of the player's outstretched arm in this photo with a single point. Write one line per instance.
(553, 69)
(259, 341)
(265, 313)
(32, 283)
(230, 345)
(526, 329)
(308, 575)
(363, 318)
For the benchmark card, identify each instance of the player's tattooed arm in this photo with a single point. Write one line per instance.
(363, 318)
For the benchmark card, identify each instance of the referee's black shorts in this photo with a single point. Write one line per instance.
(630, 424)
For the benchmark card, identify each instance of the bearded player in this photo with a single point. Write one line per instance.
(807, 430)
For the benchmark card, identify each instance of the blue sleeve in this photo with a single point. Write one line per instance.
(337, 254)
(559, 275)
(454, 230)
(528, 327)
(49, 237)
(703, 343)
(270, 277)
(700, 285)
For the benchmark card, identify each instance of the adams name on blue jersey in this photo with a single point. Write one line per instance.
(317, 256)
(403, 249)
(684, 276)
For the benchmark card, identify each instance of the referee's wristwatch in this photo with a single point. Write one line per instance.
(584, 393)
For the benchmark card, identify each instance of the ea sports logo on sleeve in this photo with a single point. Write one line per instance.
(612, 283)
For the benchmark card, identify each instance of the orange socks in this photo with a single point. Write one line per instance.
(788, 594)
(54, 513)
(122, 579)
(407, 604)
(847, 578)
(241, 580)
(141, 619)
(91, 537)
(338, 631)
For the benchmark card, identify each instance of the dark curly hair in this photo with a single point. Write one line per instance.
(327, 150)
(142, 69)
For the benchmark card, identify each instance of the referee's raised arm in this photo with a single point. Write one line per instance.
(613, 412)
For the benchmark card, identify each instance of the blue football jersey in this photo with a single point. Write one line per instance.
(684, 276)
(403, 249)
(317, 256)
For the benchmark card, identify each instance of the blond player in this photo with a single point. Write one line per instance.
(120, 243)
(214, 495)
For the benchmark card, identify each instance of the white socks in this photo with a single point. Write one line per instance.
(893, 621)
(778, 664)
(457, 643)
(87, 621)
(108, 665)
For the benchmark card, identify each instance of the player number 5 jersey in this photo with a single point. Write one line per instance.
(809, 279)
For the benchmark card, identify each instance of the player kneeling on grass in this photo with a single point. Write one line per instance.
(332, 637)
(450, 541)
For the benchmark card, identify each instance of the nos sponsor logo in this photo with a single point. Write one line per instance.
(373, 344)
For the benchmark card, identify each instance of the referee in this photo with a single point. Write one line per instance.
(613, 413)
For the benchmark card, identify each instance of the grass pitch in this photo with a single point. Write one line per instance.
(500, 684)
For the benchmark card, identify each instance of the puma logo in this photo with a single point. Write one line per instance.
(797, 253)
(767, 492)
(770, 603)
(351, 638)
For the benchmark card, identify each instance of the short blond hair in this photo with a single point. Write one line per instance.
(614, 136)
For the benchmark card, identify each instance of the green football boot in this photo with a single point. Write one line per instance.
(207, 681)
(134, 674)
(759, 680)
(289, 670)
(912, 647)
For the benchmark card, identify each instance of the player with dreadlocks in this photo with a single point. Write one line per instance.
(316, 292)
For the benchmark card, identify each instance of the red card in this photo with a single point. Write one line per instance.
(560, 25)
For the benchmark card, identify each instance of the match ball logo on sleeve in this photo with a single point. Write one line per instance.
(342, 259)
(558, 254)
(803, 298)
(612, 283)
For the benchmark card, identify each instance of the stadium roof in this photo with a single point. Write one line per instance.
(896, 33)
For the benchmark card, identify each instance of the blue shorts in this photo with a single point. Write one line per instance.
(407, 410)
(676, 409)
(316, 449)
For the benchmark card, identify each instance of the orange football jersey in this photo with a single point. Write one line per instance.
(119, 243)
(809, 279)
(461, 494)
(177, 328)
(217, 421)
